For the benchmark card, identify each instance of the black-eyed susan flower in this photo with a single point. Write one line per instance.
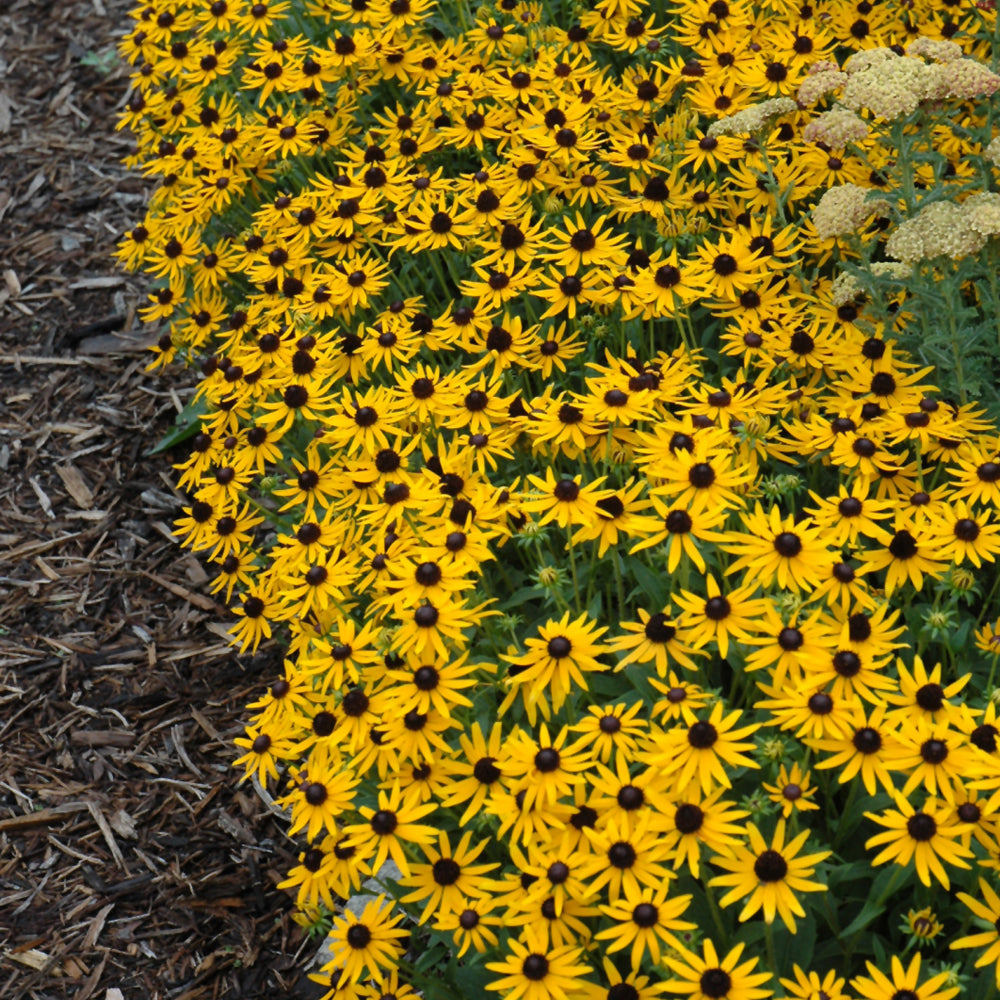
(869, 748)
(772, 549)
(808, 985)
(976, 477)
(558, 659)
(922, 926)
(928, 836)
(985, 911)
(436, 684)
(626, 856)
(726, 268)
(719, 617)
(988, 638)
(809, 713)
(535, 972)
(709, 977)
(788, 646)
(655, 638)
(906, 558)
(633, 986)
(473, 925)
(258, 607)
(429, 628)
(937, 756)
(612, 729)
(264, 746)
(961, 534)
(849, 673)
(478, 775)
(922, 697)
(769, 875)
(320, 874)
(645, 919)
(694, 819)
(622, 795)
(679, 529)
(903, 979)
(323, 793)
(388, 827)
(711, 480)
(791, 790)
(623, 514)
(449, 877)
(701, 752)
(682, 699)
(544, 768)
(367, 944)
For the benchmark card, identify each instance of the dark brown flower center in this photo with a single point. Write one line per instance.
(770, 867)
(867, 740)
(689, 818)
(921, 827)
(715, 983)
(702, 735)
(930, 697)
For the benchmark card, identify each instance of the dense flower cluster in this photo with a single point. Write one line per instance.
(638, 590)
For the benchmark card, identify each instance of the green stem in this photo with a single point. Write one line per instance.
(713, 907)
(883, 896)
(852, 794)
(572, 568)
(956, 348)
(619, 585)
(591, 575)
(772, 960)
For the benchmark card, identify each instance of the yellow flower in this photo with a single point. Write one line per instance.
(645, 919)
(368, 944)
(927, 836)
(449, 878)
(791, 791)
(720, 617)
(903, 980)
(535, 972)
(707, 977)
(769, 875)
(704, 752)
(773, 549)
(810, 985)
(986, 909)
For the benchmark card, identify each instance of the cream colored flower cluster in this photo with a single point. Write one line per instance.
(824, 78)
(753, 119)
(891, 86)
(965, 79)
(846, 287)
(836, 127)
(941, 229)
(844, 208)
(982, 213)
(935, 48)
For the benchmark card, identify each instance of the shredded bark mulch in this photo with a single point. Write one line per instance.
(132, 863)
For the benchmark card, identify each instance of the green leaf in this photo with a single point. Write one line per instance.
(794, 949)
(874, 906)
(187, 424)
(842, 873)
(472, 980)
(520, 597)
(654, 589)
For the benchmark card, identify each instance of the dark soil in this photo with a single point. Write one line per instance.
(131, 859)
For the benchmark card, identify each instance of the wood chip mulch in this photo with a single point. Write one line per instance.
(132, 863)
